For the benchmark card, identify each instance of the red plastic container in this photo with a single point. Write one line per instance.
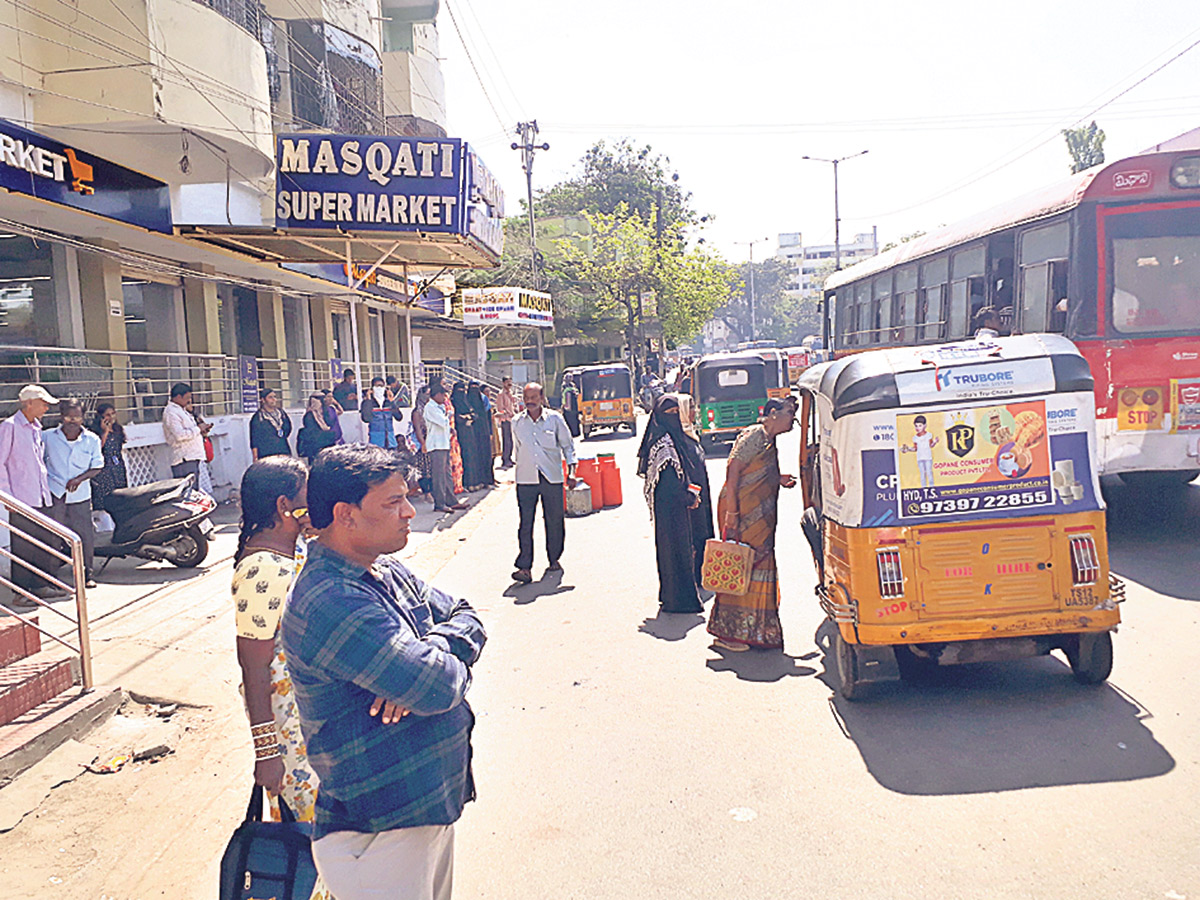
(590, 473)
(610, 478)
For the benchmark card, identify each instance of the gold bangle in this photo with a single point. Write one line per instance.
(267, 753)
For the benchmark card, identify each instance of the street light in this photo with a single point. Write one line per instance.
(837, 219)
(750, 244)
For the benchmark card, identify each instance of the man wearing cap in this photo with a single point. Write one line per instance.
(23, 476)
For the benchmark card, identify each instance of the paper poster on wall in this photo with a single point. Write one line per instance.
(1185, 403)
(973, 460)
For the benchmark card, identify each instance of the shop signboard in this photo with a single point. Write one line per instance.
(248, 374)
(507, 306)
(379, 283)
(39, 167)
(386, 183)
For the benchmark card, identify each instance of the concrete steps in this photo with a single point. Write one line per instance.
(40, 704)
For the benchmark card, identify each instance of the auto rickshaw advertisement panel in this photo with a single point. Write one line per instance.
(879, 485)
(973, 459)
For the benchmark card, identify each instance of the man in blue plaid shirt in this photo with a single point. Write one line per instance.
(381, 663)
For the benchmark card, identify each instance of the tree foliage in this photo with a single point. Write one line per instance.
(779, 315)
(1086, 146)
(622, 174)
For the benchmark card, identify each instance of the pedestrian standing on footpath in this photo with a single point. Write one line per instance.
(23, 475)
(542, 442)
(419, 433)
(183, 433)
(506, 409)
(315, 431)
(360, 626)
(270, 427)
(333, 412)
(108, 428)
(73, 459)
(345, 392)
(702, 515)
(481, 415)
(379, 413)
(672, 491)
(269, 555)
(570, 404)
(749, 511)
(437, 445)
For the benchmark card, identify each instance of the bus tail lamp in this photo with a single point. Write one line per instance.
(760, 410)
(1186, 172)
(1085, 561)
(891, 579)
(712, 416)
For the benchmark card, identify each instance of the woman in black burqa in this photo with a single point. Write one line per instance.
(481, 412)
(673, 478)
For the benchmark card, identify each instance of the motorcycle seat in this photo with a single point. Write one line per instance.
(123, 503)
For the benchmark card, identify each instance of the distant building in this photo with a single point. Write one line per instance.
(808, 262)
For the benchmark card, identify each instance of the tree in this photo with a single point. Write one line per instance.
(1086, 146)
(904, 239)
(622, 174)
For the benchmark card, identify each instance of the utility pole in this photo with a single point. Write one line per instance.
(528, 131)
(837, 219)
(750, 244)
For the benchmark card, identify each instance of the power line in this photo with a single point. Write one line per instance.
(1003, 162)
(495, 58)
(474, 68)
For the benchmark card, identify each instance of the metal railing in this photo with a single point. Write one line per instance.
(139, 384)
(76, 587)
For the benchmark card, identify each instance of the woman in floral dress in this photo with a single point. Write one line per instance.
(269, 556)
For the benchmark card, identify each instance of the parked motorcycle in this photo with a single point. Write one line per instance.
(166, 520)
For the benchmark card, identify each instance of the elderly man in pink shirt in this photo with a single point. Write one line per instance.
(506, 409)
(23, 476)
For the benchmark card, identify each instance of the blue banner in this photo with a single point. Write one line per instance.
(40, 167)
(386, 183)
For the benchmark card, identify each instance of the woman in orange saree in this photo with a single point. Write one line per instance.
(748, 512)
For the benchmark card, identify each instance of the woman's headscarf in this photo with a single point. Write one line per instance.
(458, 398)
(477, 401)
(687, 416)
(664, 444)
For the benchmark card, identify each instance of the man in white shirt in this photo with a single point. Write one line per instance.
(437, 445)
(73, 459)
(184, 436)
(542, 441)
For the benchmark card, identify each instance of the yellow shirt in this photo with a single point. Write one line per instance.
(260, 586)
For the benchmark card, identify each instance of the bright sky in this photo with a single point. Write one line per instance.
(941, 92)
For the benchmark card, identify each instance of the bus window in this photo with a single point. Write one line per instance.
(931, 311)
(1035, 295)
(904, 307)
(967, 291)
(882, 310)
(1044, 278)
(956, 318)
(862, 293)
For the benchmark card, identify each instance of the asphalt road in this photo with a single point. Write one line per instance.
(618, 755)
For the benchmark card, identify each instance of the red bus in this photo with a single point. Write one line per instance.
(1110, 258)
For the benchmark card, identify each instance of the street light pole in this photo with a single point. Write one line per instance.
(837, 218)
(753, 314)
(528, 132)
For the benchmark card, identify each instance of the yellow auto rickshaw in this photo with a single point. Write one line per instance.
(954, 510)
(605, 398)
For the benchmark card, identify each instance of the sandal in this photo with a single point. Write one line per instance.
(732, 646)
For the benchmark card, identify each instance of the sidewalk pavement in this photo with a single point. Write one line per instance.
(166, 636)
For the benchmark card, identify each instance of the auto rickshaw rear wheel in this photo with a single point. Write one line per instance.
(1091, 657)
(846, 659)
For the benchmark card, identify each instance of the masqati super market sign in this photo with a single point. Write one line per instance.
(376, 183)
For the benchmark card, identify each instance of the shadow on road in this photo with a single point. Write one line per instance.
(759, 665)
(671, 626)
(549, 585)
(997, 727)
(1153, 531)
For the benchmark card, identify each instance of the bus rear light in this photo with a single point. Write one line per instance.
(760, 410)
(1186, 172)
(712, 416)
(1085, 561)
(891, 579)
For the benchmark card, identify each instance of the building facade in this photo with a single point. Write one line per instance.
(127, 132)
(809, 264)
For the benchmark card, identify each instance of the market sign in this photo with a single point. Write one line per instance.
(507, 306)
(388, 184)
(40, 167)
